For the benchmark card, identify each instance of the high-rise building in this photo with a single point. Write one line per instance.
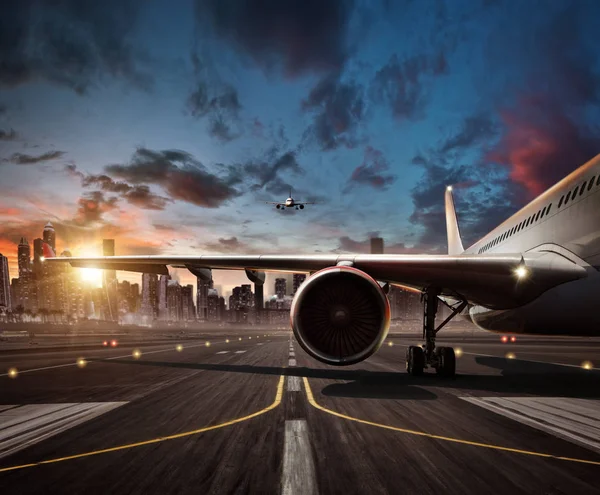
(134, 298)
(213, 305)
(187, 296)
(163, 283)
(70, 291)
(5, 299)
(280, 287)
(299, 279)
(25, 278)
(376, 245)
(50, 236)
(109, 283)
(149, 307)
(38, 252)
(203, 287)
(174, 301)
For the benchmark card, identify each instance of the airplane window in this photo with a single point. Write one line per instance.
(548, 210)
(543, 212)
(568, 196)
(561, 201)
(582, 190)
(598, 181)
(574, 192)
(537, 217)
(591, 183)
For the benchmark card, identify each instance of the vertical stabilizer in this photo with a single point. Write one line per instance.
(455, 245)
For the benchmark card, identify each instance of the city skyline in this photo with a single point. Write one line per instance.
(170, 142)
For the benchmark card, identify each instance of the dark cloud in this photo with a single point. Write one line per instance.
(371, 172)
(225, 100)
(8, 135)
(296, 36)
(138, 195)
(547, 130)
(338, 108)
(24, 159)
(221, 130)
(215, 100)
(69, 42)
(178, 173)
(91, 208)
(402, 85)
(228, 245)
(264, 174)
(483, 196)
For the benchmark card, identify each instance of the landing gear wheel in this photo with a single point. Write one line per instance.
(446, 361)
(415, 360)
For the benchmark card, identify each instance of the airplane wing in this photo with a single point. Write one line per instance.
(489, 280)
(273, 203)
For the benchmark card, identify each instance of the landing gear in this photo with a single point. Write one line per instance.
(442, 359)
(415, 360)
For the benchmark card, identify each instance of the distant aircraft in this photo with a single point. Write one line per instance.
(289, 203)
(537, 273)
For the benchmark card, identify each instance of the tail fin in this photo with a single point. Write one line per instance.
(47, 251)
(455, 245)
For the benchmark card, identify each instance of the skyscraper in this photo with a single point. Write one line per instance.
(280, 287)
(150, 296)
(299, 279)
(5, 302)
(187, 295)
(202, 297)
(163, 283)
(50, 236)
(376, 245)
(38, 252)
(25, 278)
(109, 283)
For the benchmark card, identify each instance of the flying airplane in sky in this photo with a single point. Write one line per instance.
(289, 203)
(536, 273)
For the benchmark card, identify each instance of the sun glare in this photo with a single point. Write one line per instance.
(92, 276)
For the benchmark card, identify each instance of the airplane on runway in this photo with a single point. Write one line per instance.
(289, 203)
(536, 273)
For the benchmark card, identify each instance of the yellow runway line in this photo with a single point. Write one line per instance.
(275, 403)
(314, 403)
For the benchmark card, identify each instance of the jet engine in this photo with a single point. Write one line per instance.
(340, 315)
(278, 207)
(301, 207)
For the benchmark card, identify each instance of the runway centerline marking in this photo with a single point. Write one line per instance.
(276, 402)
(314, 403)
(298, 474)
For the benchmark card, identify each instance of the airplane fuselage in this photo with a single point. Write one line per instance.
(564, 220)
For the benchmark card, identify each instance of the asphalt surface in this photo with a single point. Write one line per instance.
(220, 418)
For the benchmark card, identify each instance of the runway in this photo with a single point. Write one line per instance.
(250, 412)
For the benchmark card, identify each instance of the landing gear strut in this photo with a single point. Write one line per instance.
(440, 358)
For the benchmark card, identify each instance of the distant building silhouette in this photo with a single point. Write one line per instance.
(5, 299)
(299, 279)
(376, 245)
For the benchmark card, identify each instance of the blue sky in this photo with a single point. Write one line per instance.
(166, 125)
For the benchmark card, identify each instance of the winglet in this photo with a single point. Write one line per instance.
(455, 245)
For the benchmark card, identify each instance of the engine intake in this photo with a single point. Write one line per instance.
(340, 315)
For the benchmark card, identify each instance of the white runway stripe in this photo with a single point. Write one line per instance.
(239, 352)
(294, 384)
(222, 352)
(21, 426)
(575, 420)
(292, 362)
(298, 474)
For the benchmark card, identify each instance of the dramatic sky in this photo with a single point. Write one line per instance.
(167, 125)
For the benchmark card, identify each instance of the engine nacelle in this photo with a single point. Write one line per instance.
(340, 315)
(278, 207)
(301, 207)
